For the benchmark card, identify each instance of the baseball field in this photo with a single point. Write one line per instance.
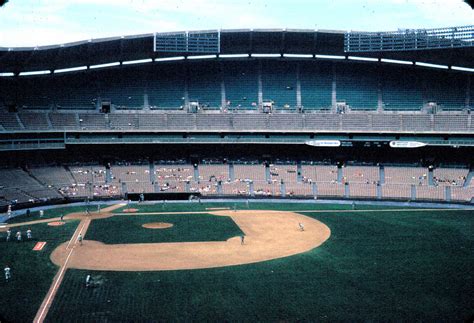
(241, 262)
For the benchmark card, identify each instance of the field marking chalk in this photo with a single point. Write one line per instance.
(43, 310)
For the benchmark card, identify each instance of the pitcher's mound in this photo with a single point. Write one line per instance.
(56, 223)
(157, 225)
(130, 210)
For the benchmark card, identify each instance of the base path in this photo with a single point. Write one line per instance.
(268, 235)
(68, 251)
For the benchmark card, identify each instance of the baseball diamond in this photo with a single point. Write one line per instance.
(305, 274)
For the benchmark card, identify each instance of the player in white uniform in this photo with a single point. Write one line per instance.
(28, 234)
(9, 233)
(18, 236)
(301, 225)
(79, 239)
(8, 275)
(88, 281)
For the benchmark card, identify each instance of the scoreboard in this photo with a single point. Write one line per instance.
(203, 42)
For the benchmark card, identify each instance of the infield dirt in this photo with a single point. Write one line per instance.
(268, 235)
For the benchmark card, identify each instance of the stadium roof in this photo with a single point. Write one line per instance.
(258, 41)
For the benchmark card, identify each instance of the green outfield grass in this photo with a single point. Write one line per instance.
(32, 271)
(375, 266)
(186, 228)
(51, 213)
(182, 207)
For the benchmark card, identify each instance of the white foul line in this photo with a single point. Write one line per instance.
(59, 279)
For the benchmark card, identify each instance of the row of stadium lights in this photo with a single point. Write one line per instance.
(199, 57)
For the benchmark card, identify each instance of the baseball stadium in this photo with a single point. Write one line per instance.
(272, 175)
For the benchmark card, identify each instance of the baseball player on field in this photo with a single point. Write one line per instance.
(9, 233)
(28, 234)
(18, 236)
(8, 275)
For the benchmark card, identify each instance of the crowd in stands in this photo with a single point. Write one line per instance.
(231, 179)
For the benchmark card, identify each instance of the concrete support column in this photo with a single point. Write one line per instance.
(124, 188)
(260, 86)
(223, 95)
(231, 172)
(447, 193)
(299, 172)
(334, 89)
(146, 103)
(187, 186)
(186, 92)
(151, 168)
(196, 173)
(379, 95)
(298, 87)
(468, 91)
(268, 176)
(413, 192)
(381, 174)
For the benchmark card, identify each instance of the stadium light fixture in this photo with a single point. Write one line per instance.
(330, 56)
(35, 73)
(395, 61)
(431, 65)
(138, 61)
(366, 59)
(266, 55)
(105, 65)
(202, 57)
(465, 69)
(298, 55)
(71, 69)
(7, 74)
(167, 59)
(234, 56)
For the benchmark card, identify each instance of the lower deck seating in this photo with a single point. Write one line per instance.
(320, 181)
